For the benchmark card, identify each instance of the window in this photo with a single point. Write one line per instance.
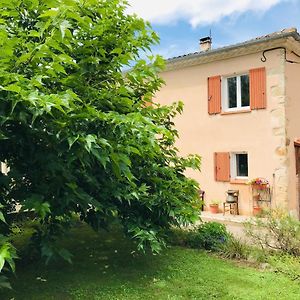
(239, 165)
(239, 92)
(230, 166)
(235, 92)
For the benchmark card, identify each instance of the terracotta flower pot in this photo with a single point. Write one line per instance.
(214, 208)
(257, 210)
(259, 186)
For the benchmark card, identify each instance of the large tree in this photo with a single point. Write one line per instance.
(77, 132)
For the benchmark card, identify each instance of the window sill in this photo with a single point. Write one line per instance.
(242, 111)
(238, 181)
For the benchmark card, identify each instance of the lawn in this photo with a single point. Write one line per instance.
(106, 266)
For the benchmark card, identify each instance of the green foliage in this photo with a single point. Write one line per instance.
(286, 264)
(45, 239)
(179, 236)
(7, 260)
(258, 255)
(7, 256)
(215, 202)
(234, 248)
(208, 235)
(75, 129)
(105, 266)
(276, 231)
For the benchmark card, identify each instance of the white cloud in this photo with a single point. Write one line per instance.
(197, 12)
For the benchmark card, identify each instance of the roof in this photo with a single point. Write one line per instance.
(256, 42)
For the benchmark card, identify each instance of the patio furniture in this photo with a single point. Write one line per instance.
(232, 202)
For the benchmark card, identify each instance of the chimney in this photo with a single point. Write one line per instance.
(205, 44)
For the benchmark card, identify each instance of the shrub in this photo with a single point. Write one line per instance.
(258, 255)
(179, 237)
(235, 249)
(208, 236)
(276, 231)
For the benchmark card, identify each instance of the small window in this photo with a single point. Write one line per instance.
(235, 94)
(239, 165)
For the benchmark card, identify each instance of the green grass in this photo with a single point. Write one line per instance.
(105, 266)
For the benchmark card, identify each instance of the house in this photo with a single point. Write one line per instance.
(242, 116)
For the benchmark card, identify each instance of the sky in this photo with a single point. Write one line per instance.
(181, 23)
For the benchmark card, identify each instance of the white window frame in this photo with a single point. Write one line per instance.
(225, 98)
(233, 166)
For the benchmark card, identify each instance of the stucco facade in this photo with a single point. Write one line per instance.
(292, 105)
(266, 135)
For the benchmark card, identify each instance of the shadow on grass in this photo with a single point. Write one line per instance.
(105, 259)
(106, 266)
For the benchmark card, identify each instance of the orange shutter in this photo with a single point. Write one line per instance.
(214, 95)
(258, 97)
(297, 150)
(222, 166)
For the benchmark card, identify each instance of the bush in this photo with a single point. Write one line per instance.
(235, 249)
(209, 236)
(178, 237)
(276, 231)
(258, 255)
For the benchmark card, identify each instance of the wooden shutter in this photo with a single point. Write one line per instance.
(214, 95)
(297, 152)
(258, 99)
(222, 166)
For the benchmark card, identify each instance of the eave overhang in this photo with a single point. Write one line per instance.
(289, 40)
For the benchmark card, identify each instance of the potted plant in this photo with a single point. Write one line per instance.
(214, 206)
(257, 210)
(259, 183)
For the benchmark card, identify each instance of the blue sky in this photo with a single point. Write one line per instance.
(180, 23)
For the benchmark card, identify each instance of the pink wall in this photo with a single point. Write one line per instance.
(293, 129)
(261, 132)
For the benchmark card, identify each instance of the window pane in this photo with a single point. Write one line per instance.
(242, 165)
(232, 101)
(245, 90)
